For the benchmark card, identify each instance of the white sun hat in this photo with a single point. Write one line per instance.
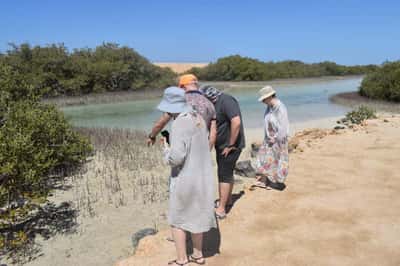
(266, 92)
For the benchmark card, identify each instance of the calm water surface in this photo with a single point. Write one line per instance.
(305, 100)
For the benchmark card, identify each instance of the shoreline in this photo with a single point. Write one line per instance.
(353, 100)
(124, 96)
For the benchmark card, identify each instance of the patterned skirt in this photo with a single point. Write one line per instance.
(272, 161)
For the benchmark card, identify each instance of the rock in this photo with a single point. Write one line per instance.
(254, 149)
(140, 234)
(244, 168)
(339, 127)
(293, 144)
(385, 120)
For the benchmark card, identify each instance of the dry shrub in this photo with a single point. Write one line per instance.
(123, 171)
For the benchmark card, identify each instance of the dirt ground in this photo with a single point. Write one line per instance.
(341, 207)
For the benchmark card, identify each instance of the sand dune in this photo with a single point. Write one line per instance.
(341, 207)
(180, 67)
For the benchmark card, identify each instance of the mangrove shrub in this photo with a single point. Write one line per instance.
(384, 83)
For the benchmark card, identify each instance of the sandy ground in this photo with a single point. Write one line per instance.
(180, 67)
(341, 207)
(336, 192)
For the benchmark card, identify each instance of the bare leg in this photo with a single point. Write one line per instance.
(197, 240)
(225, 190)
(230, 201)
(180, 244)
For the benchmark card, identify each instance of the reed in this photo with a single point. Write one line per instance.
(122, 171)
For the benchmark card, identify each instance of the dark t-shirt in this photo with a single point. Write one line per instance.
(227, 108)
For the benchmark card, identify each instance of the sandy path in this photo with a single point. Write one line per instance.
(341, 207)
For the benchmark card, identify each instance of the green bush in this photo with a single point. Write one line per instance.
(360, 114)
(383, 84)
(35, 140)
(37, 148)
(53, 71)
(238, 68)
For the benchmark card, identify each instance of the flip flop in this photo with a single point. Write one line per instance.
(216, 204)
(195, 260)
(177, 263)
(220, 216)
(259, 184)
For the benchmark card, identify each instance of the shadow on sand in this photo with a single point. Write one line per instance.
(212, 238)
(49, 220)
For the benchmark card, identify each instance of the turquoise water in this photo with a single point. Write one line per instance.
(305, 100)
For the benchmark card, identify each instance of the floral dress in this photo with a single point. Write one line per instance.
(272, 159)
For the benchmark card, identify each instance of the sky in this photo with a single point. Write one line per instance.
(345, 31)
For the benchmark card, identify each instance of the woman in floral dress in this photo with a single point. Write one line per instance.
(272, 162)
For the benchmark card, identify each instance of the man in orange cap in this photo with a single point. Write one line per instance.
(194, 98)
(188, 80)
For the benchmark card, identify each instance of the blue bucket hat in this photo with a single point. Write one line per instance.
(173, 101)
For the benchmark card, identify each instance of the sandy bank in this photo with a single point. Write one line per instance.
(353, 99)
(341, 207)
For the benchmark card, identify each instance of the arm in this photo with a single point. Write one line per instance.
(158, 126)
(175, 155)
(283, 129)
(213, 133)
(235, 129)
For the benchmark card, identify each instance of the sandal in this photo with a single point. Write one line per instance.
(196, 260)
(259, 184)
(216, 204)
(177, 263)
(220, 216)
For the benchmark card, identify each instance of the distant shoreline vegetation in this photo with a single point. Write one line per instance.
(55, 72)
(383, 83)
(238, 68)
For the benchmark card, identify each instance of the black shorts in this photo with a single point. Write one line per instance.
(226, 165)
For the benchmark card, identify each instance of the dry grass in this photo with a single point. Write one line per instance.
(123, 171)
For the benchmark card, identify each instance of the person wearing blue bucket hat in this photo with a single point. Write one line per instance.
(173, 101)
(188, 83)
(192, 185)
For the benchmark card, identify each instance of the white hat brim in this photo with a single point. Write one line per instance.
(265, 96)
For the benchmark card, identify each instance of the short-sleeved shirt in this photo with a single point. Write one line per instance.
(227, 108)
(201, 105)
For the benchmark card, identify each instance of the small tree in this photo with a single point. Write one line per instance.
(37, 147)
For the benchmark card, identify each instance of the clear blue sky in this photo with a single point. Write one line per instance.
(345, 31)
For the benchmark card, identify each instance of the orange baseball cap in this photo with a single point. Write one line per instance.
(187, 79)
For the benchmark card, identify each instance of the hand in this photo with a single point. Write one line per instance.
(227, 150)
(163, 141)
(151, 141)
